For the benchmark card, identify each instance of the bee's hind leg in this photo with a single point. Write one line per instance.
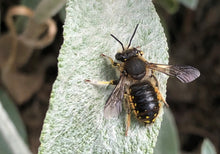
(128, 112)
(160, 97)
(111, 82)
(128, 122)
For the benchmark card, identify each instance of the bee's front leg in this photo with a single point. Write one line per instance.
(114, 64)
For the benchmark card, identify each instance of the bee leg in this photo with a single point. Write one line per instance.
(112, 82)
(160, 97)
(128, 121)
(114, 64)
(128, 112)
(155, 84)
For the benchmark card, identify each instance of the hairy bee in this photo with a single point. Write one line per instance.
(137, 86)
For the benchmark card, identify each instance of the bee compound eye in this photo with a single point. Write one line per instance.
(120, 57)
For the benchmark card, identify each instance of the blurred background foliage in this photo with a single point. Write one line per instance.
(191, 124)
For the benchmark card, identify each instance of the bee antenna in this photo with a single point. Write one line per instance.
(132, 35)
(118, 41)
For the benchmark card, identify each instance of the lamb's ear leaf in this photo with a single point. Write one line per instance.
(13, 136)
(74, 122)
(208, 147)
(192, 4)
(168, 140)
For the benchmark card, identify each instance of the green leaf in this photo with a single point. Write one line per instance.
(4, 147)
(43, 10)
(21, 21)
(168, 140)
(192, 4)
(30, 3)
(14, 116)
(171, 6)
(11, 141)
(74, 122)
(208, 147)
(13, 113)
(62, 14)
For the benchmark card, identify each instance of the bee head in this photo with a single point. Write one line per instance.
(127, 54)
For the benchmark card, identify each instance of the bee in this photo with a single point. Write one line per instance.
(137, 88)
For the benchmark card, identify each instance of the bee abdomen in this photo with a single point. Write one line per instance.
(144, 102)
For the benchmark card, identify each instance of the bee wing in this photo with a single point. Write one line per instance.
(113, 105)
(184, 73)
